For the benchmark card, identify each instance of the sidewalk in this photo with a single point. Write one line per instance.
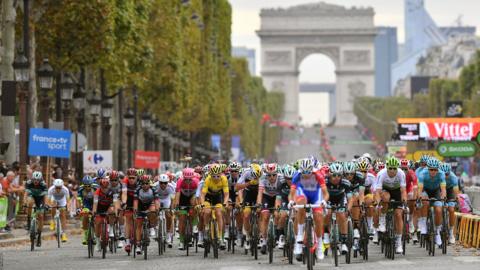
(21, 236)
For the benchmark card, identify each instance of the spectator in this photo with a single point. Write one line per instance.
(12, 190)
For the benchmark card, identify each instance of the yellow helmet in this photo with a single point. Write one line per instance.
(256, 170)
(215, 169)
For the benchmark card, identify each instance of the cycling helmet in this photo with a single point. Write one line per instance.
(271, 168)
(289, 171)
(424, 158)
(205, 169)
(145, 179)
(363, 165)
(223, 167)
(368, 157)
(256, 170)
(306, 166)
(198, 169)
(113, 175)
(188, 173)
(215, 169)
(101, 173)
(349, 167)
(58, 183)
(132, 172)
(314, 161)
(336, 168)
(235, 166)
(404, 163)
(380, 165)
(392, 162)
(140, 172)
(433, 163)
(121, 175)
(164, 178)
(37, 175)
(411, 165)
(87, 180)
(446, 167)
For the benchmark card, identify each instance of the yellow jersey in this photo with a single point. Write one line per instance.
(214, 187)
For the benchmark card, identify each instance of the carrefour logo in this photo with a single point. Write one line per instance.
(95, 158)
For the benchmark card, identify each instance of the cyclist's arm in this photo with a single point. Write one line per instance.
(226, 192)
(176, 199)
(95, 203)
(325, 194)
(260, 195)
(404, 194)
(361, 195)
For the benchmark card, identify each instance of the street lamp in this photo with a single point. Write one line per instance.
(146, 126)
(128, 122)
(45, 79)
(107, 111)
(21, 69)
(95, 107)
(67, 87)
(79, 103)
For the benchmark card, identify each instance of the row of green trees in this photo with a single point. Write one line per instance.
(176, 53)
(379, 115)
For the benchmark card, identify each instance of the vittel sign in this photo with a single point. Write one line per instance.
(448, 129)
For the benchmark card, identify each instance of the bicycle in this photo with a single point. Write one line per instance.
(254, 233)
(289, 236)
(188, 235)
(349, 241)
(389, 237)
(33, 231)
(445, 232)
(90, 236)
(145, 240)
(58, 223)
(162, 231)
(429, 238)
(334, 233)
(211, 235)
(271, 233)
(232, 229)
(311, 242)
(113, 241)
(364, 236)
(104, 238)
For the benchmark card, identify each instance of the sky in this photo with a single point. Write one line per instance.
(246, 21)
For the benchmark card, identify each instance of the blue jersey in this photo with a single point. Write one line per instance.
(451, 180)
(87, 196)
(418, 171)
(310, 187)
(431, 184)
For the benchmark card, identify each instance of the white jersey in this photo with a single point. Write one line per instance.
(167, 193)
(386, 182)
(370, 182)
(60, 197)
(198, 193)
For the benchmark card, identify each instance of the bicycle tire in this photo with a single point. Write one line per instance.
(145, 240)
(445, 230)
(271, 240)
(58, 231)
(186, 238)
(334, 242)
(309, 248)
(431, 227)
(33, 233)
(160, 236)
(365, 239)
(104, 238)
(215, 239)
(349, 241)
(290, 241)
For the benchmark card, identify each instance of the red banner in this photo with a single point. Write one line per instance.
(147, 160)
(449, 129)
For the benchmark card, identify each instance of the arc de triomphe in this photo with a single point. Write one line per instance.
(344, 35)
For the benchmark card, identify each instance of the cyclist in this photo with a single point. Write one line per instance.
(233, 176)
(422, 164)
(379, 165)
(357, 181)
(85, 197)
(116, 188)
(185, 197)
(308, 188)
(36, 193)
(340, 194)
(103, 205)
(247, 186)
(391, 185)
(129, 187)
(166, 193)
(59, 197)
(431, 185)
(215, 193)
(368, 193)
(268, 190)
(412, 189)
(145, 205)
(453, 190)
(282, 202)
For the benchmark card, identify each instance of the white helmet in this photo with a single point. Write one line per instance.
(164, 178)
(367, 156)
(58, 183)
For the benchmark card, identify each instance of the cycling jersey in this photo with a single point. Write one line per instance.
(130, 190)
(339, 193)
(283, 193)
(60, 197)
(357, 183)
(165, 194)
(145, 198)
(451, 180)
(388, 183)
(428, 183)
(369, 183)
(419, 170)
(309, 186)
(87, 196)
(39, 190)
(117, 189)
(215, 187)
(249, 193)
(104, 199)
(187, 189)
(411, 180)
(270, 190)
(198, 192)
(231, 187)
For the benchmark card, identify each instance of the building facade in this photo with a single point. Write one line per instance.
(386, 54)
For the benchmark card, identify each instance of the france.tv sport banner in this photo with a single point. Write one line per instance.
(49, 143)
(448, 129)
(147, 159)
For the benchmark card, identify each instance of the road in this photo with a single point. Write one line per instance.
(345, 142)
(74, 256)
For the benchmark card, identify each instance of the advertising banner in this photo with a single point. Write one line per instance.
(49, 143)
(235, 149)
(147, 159)
(3, 211)
(448, 129)
(457, 149)
(216, 141)
(94, 160)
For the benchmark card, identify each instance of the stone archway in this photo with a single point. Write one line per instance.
(346, 36)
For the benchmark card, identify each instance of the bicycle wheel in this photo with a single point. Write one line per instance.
(33, 233)
(58, 231)
(445, 230)
(104, 239)
(334, 242)
(365, 239)
(270, 240)
(309, 248)
(90, 239)
(214, 228)
(405, 233)
(431, 232)
(160, 236)
(187, 236)
(349, 241)
(290, 241)
(134, 237)
(145, 239)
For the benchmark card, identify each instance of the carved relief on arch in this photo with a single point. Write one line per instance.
(332, 52)
(278, 58)
(356, 88)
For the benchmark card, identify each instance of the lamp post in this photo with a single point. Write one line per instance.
(107, 110)
(45, 79)
(157, 134)
(128, 122)
(146, 126)
(95, 107)
(79, 103)
(21, 68)
(68, 87)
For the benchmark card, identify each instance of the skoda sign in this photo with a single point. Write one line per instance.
(457, 149)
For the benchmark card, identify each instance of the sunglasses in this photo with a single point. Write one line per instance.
(306, 172)
(113, 180)
(216, 176)
(163, 183)
(132, 177)
(87, 186)
(433, 170)
(233, 171)
(404, 169)
(336, 174)
(145, 183)
(363, 171)
(347, 174)
(392, 169)
(447, 174)
(273, 174)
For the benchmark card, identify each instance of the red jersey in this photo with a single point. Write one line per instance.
(187, 188)
(411, 179)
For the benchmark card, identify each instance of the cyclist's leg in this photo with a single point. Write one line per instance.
(219, 214)
(385, 195)
(138, 228)
(128, 215)
(63, 218)
(369, 210)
